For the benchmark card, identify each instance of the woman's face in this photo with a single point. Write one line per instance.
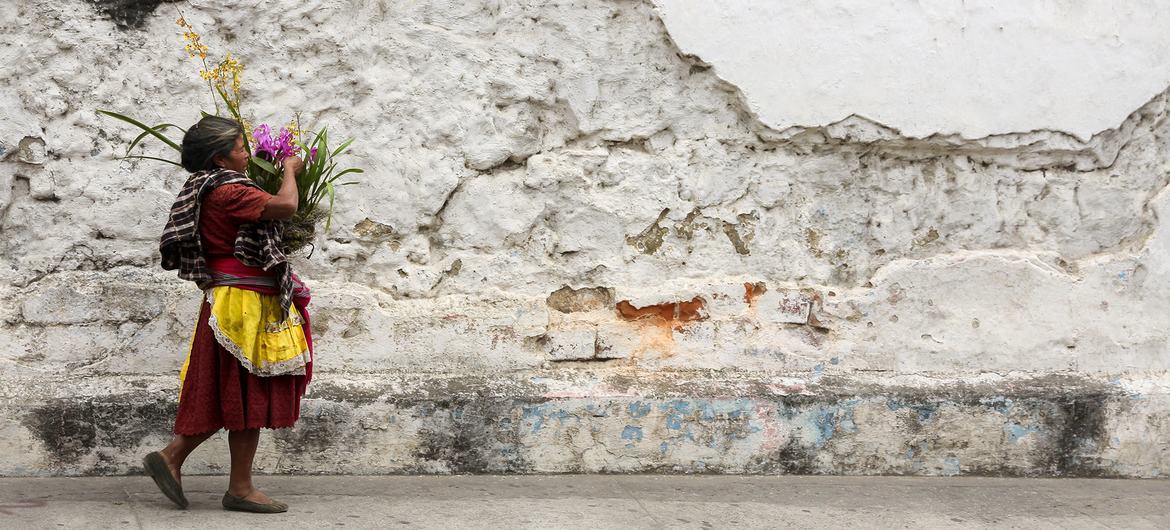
(236, 159)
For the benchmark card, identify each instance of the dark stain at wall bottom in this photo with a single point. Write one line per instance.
(70, 429)
(473, 436)
(1080, 422)
(469, 434)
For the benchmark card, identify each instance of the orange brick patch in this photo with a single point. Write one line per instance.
(669, 312)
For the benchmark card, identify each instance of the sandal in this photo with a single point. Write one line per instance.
(231, 502)
(157, 468)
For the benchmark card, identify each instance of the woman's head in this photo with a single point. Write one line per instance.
(214, 142)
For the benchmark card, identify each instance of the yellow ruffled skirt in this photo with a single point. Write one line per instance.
(247, 324)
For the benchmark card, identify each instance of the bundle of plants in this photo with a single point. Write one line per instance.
(317, 182)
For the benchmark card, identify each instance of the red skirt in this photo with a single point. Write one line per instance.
(219, 393)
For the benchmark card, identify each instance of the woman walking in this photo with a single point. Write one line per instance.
(251, 355)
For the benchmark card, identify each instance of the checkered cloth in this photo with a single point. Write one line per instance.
(257, 244)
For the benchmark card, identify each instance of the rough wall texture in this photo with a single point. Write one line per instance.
(577, 248)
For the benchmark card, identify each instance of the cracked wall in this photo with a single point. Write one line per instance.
(972, 68)
(562, 202)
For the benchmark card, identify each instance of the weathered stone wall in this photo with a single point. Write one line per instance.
(577, 247)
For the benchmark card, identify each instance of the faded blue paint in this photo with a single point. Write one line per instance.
(846, 423)
(824, 422)
(633, 434)
(536, 413)
(662, 447)
(818, 372)
(677, 405)
(674, 422)
(951, 466)
(1016, 431)
(596, 410)
(639, 409)
(540, 413)
(835, 360)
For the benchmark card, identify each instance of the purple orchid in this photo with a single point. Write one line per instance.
(274, 149)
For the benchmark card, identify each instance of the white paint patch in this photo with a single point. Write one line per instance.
(969, 67)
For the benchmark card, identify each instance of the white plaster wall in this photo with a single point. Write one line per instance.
(972, 68)
(531, 165)
(514, 149)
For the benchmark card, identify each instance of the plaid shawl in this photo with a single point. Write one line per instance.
(257, 244)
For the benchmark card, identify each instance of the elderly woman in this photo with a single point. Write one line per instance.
(251, 355)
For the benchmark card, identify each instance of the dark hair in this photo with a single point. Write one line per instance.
(212, 136)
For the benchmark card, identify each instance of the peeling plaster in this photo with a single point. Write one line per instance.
(973, 69)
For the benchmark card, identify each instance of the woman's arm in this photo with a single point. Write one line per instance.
(284, 204)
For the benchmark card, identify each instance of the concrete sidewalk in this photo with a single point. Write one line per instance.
(598, 501)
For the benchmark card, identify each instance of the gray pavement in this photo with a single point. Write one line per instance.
(598, 502)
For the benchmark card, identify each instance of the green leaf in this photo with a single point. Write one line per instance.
(342, 147)
(350, 170)
(265, 165)
(329, 219)
(158, 128)
(142, 126)
(144, 157)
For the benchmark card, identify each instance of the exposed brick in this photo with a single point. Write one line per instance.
(753, 291)
(669, 312)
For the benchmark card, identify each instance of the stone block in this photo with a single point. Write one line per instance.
(572, 342)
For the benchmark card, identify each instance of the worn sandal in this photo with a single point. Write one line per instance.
(157, 468)
(231, 502)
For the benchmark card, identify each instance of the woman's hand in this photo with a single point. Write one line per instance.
(284, 204)
(293, 165)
